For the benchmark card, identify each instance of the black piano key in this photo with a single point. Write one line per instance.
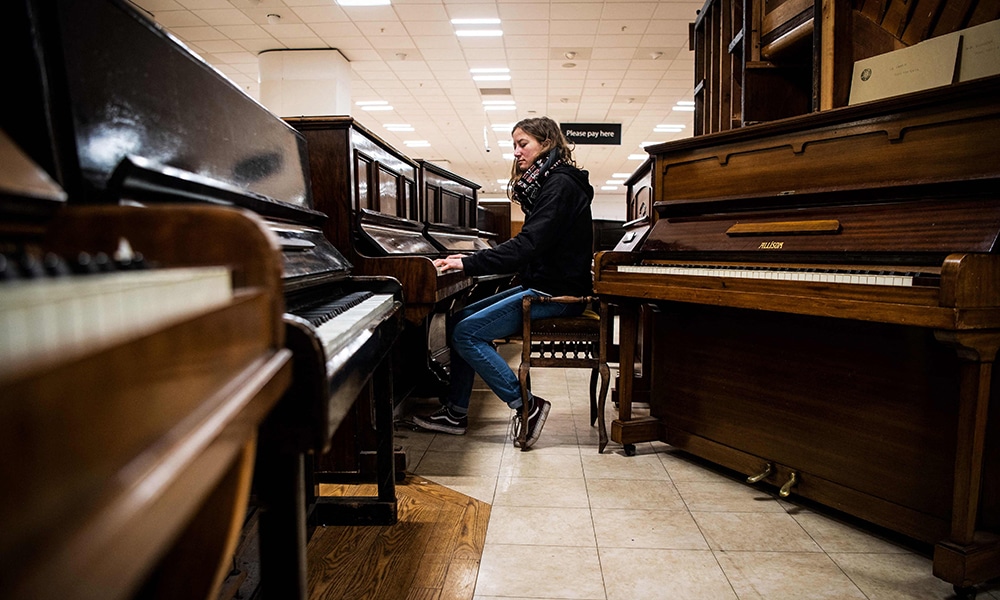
(323, 312)
(55, 265)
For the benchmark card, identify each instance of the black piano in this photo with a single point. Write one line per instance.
(387, 226)
(118, 111)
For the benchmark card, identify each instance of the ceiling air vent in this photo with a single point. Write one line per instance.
(494, 91)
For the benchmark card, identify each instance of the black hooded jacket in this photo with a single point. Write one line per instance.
(554, 250)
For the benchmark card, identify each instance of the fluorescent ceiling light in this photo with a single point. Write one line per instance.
(398, 127)
(503, 181)
(609, 188)
(508, 156)
(492, 107)
(371, 102)
(638, 156)
(483, 21)
(504, 127)
(417, 143)
(489, 70)
(621, 175)
(363, 2)
(489, 102)
(684, 105)
(644, 144)
(491, 77)
(615, 181)
(685, 102)
(371, 107)
(479, 32)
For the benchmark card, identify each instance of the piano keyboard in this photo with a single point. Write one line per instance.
(802, 274)
(344, 321)
(62, 315)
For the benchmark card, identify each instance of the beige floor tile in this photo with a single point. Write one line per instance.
(659, 494)
(476, 464)
(647, 528)
(893, 576)
(836, 536)
(480, 488)
(478, 597)
(683, 467)
(551, 442)
(725, 496)
(754, 532)
(556, 572)
(444, 442)
(784, 575)
(541, 464)
(540, 526)
(615, 466)
(533, 491)
(648, 574)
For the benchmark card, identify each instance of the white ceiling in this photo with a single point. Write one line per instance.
(630, 65)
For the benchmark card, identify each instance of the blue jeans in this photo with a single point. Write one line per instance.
(474, 329)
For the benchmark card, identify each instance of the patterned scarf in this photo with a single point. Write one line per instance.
(529, 184)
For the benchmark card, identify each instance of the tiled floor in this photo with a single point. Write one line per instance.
(567, 522)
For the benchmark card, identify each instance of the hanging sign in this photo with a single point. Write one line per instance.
(593, 133)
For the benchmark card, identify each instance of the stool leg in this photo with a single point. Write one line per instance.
(593, 395)
(602, 430)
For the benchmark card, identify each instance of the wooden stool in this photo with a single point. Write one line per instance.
(568, 342)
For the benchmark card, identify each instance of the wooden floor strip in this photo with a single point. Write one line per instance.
(433, 552)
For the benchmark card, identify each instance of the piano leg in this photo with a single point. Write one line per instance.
(970, 555)
(380, 509)
(625, 430)
(281, 495)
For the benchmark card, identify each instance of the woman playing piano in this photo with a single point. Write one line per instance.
(552, 255)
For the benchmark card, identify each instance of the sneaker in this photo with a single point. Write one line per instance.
(537, 414)
(443, 420)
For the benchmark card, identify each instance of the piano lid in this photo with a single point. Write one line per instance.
(455, 239)
(114, 84)
(385, 235)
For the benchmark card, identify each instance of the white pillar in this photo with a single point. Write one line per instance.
(295, 83)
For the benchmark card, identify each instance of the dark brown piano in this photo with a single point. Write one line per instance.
(825, 299)
(386, 227)
(130, 397)
(117, 111)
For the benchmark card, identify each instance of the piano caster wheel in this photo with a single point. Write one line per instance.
(629, 449)
(964, 593)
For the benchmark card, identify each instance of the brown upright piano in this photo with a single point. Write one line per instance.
(120, 112)
(370, 190)
(825, 298)
(137, 361)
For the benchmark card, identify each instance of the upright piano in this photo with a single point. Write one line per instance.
(138, 361)
(825, 299)
(370, 190)
(119, 111)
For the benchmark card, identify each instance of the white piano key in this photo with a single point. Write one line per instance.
(339, 331)
(53, 317)
(771, 274)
